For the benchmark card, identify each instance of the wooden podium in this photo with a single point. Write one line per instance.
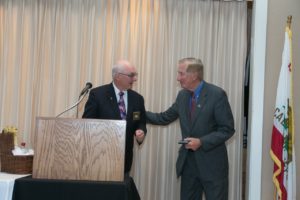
(79, 149)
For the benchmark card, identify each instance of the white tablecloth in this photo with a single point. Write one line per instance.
(7, 182)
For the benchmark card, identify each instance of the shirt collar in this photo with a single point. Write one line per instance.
(117, 91)
(197, 91)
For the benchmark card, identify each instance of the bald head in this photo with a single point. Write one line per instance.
(121, 66)
(124, 74)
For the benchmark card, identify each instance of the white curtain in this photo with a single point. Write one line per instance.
(49, 49)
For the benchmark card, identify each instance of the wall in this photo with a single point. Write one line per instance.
(278, 11)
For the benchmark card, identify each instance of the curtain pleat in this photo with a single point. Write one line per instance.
(49, 49)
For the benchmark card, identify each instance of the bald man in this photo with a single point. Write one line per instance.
(118, 101)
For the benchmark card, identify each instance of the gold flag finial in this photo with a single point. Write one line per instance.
(289, 21)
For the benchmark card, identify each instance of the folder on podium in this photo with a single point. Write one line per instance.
(79, 149)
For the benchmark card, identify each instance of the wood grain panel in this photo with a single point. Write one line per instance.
(79, 149)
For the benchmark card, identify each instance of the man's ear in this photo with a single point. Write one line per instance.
(194, 76)
(117, 76)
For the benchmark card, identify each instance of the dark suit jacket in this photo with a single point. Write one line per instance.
(102, 104)
(213, 124)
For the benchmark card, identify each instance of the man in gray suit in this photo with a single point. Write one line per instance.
(206, 123)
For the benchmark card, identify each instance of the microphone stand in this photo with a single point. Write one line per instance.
(80, 99)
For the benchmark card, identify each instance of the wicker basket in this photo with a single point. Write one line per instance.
(6, 143)
(9, 162)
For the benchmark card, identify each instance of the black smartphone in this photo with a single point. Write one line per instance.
(183, 141)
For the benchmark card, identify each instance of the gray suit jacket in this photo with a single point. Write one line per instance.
(213, 124)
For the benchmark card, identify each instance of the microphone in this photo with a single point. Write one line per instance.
(88, 86)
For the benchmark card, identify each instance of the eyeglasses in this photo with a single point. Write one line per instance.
(131, 75)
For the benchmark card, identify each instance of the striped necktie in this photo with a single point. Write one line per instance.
(122, 107)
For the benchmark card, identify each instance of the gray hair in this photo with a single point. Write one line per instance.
(193, 65)
(190, 60)
(119, 67)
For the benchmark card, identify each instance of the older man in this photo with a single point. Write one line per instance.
(206, 123)
(117, 100)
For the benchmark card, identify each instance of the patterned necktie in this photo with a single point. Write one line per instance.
(121, 104)
(193, 105)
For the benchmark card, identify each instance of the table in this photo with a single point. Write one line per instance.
(49, 189)
(7, 184)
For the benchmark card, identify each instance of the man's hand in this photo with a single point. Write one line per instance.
(139, 135)
(194, 143)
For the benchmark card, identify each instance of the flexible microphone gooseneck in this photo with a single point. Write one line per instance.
(83, 93)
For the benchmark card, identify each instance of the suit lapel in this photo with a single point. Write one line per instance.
(111, 97)
(186, 109)
(130, 102)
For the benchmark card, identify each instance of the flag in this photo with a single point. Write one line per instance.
(282, 144)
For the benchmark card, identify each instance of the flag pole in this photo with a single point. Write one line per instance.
(289, 21)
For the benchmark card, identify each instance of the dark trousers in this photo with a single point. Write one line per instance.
(193, 187)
